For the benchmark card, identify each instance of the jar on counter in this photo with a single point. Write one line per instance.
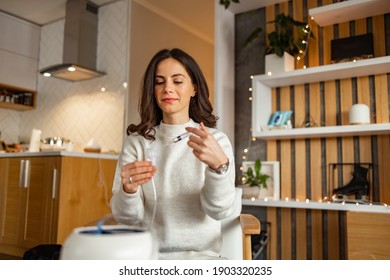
(28, 99)
(2, 95)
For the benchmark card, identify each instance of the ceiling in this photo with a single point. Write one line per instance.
(187, 12)
(196, 14)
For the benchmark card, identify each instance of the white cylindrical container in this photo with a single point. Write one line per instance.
(359, 114)
(35, 141)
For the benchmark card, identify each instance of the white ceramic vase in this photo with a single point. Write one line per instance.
(275, 64)
(249, 192)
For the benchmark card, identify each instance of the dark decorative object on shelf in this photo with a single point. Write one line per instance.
(357, 188)
(309, 122)
(352, 48)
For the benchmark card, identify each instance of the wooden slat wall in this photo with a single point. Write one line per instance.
(316, 234)
(368, 235)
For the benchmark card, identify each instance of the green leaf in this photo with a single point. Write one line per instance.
(257, 167)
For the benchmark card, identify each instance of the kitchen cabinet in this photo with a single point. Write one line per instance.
(43, 198)
(17, 98)
(19, 51)
(27, 200)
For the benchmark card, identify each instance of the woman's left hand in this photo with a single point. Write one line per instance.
(205, 147)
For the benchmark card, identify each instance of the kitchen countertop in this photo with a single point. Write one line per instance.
(60, 153)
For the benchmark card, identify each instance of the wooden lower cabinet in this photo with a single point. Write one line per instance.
(42, 199)
(368, 236)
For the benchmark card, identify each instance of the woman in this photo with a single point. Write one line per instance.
(193, 177)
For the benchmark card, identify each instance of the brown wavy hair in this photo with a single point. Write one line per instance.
(151, 115)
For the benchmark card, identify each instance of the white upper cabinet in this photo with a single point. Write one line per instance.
(19, 52)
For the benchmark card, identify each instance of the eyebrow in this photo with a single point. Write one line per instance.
(173, 76)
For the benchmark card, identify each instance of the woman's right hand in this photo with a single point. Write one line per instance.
(136, 173)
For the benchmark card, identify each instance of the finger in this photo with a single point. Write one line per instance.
(131, 183)
(136, 171)
(140, 177)
(203, 128)
(196, 131)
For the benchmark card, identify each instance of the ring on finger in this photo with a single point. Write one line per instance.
(131, 180)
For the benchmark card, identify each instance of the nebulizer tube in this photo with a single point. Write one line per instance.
(151, 155)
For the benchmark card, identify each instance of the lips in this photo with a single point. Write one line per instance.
(169, 100)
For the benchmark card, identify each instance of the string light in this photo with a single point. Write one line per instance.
(252, 139)
(304, 42)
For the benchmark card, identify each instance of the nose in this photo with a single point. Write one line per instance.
(168, 87)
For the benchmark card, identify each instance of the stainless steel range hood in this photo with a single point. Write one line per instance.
(80, 43)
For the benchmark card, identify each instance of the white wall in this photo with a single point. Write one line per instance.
(224, 69)
(151, 32)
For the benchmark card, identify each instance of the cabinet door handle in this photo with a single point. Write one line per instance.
(21, 173)
(27, 174)
(54, 184)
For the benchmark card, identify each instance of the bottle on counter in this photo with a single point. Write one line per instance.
(2, 145)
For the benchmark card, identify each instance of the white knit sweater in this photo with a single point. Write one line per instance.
(191, 200)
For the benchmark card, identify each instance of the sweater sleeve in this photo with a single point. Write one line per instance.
(218, 194)
(125, 207)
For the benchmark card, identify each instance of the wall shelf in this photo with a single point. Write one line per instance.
(22, 99)
(262, 97)
(374, 208)
(349, 10)
(326, 131)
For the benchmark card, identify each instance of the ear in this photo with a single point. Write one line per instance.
(194, 92)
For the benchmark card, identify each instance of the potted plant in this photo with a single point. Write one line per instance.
(254, 180)
(288, 40)
(226, 3)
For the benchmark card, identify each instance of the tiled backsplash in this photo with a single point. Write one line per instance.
(79, 111)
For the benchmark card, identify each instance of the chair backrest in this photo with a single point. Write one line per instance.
(232, 246)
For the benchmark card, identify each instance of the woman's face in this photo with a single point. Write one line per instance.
(173, 90)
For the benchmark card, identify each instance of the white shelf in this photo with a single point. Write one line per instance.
(326, 131)
(318, 205)
(337, 71)
(262, 97)
(349, 10)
